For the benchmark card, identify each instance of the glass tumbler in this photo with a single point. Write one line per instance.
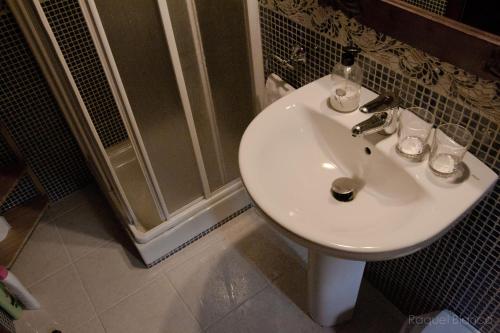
(414, 128)
(448, 149)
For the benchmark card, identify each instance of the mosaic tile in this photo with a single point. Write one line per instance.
(33, 118)
(442, 77)
(434, 6)
(73, 37)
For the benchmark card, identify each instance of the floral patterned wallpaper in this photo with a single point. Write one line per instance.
(444, 78)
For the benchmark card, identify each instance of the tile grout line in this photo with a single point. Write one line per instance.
(266, 286)
(72, 263)
(182, 300)
(167, 269)
(123, 298)
(57, 270)
(48, 276)
(85, 291)
(225, 247)
(95, 249)
(63, 243)
(88, 321)
(51, 219)
(202, 234)
(223, 241)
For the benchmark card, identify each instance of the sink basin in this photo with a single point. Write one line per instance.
(294, 149)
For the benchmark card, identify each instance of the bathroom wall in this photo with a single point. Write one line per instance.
(68, 24)
(227, 91)
(460, 271)
(34, 119)
(435, 6)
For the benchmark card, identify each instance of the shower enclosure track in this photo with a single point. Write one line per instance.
(182, 224)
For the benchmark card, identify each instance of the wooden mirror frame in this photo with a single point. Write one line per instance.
(466, 47)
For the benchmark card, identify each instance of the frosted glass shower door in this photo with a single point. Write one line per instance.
(135, 34)
(225, 43)
(213, 45)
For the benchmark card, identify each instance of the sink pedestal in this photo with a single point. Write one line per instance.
(333, 286)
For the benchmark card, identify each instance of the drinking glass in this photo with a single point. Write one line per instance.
(414, 128)
(451, 141)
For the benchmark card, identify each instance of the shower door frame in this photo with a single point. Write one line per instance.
(110, 177)
(61, 87)
(210, 198)
(115, 83)
(95, 26)
(232, 192)
(252, 20)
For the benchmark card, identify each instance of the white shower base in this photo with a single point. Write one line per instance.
(154, 238)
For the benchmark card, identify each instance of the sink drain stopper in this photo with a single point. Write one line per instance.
(343, 189)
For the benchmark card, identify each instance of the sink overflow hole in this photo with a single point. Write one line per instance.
(368, 151)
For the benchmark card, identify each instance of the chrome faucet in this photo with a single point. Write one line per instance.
(383, 121)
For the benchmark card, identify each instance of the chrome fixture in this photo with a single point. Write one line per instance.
(379, 122)
(344, 189)
(384, 109)
(385, 101)
(297, 56)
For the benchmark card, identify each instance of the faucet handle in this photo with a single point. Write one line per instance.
(384, 101)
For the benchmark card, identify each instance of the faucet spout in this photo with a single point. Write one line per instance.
(380, 121)
(384, 109)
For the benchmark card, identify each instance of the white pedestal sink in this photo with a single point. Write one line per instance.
(289, 156)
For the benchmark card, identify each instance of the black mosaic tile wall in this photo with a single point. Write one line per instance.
(68, 24)
(32, 115)
(459, 272)
(435, 6)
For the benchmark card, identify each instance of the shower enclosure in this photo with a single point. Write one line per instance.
(181, 91)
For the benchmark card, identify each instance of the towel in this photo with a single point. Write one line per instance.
(276, 88)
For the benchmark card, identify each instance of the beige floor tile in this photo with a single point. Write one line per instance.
(64, 303)
(293, 284)
(242, 226)
(92, 326)
(155, 308)
(43, 255)
(111, 273)
(87, 194)
(196, 248)
(87, 227)
(268, 312)
(39, 321)
(265, 250)
(221, 278)
(46, 324)
(254, 239)
(251, 221)
(215, 282)
(373, 313)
